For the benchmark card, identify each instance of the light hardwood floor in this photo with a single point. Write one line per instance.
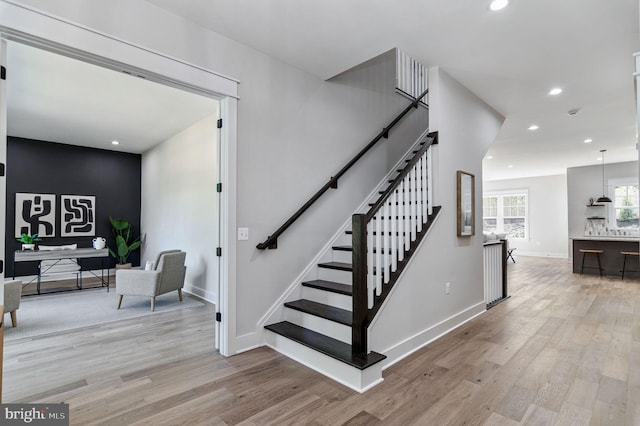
(564, 349)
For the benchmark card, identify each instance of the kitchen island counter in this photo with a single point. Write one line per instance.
(610, 258)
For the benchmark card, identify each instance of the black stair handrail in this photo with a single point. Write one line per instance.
(272, 241)
(361, 314)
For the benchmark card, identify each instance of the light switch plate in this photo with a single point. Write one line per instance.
(243, 234)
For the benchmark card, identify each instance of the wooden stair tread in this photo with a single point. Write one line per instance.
(341, 266)
(321, 310)
(330, 286)
(342, 248)
(325, 344)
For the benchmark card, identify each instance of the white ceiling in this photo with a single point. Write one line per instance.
(58, 99)
(510, 58)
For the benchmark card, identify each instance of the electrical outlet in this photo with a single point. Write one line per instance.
(447, 288)
(243, 234)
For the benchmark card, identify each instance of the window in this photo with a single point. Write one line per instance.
(506, 213)
(625, 206)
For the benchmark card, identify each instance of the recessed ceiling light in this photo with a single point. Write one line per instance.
(588, 140)
(555, 91)
(115, 143)
(498, 4)
(533, 127)
(599, 158)
(490, 157)
(510, 166)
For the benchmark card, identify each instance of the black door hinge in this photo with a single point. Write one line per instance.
(219, 316)
(219, 187)
(3, 73)
(218, 251)
(219, 123)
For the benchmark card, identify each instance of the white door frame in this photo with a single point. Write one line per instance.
(3, 161)
(23, 24)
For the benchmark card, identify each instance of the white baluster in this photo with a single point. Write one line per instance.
(394, 229)
(386, 260)
(370, 246)
(430, 180)
(425, 194)
(400, 213)
(407, 213)
(413, 203)
(378, 263)
(421, 202)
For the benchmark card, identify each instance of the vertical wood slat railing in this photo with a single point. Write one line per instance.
(495, 272)
(385, 237)
(412, 78)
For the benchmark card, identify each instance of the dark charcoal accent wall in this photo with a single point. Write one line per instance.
(114, 178)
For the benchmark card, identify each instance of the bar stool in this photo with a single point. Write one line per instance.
(624, 263)
(592, 251)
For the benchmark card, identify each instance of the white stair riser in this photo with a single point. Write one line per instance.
(334, 275)
(342, 256)
(320, 325)
(358, 380)
(328, 298)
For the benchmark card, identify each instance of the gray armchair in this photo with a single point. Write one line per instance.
(12, 295)
(167, 276)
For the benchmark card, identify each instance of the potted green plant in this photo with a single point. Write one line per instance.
(125, 243)
(29, 241)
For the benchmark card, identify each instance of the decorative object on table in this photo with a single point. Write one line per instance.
(167, 276)
(125, 242)
(35, 214)
(77, 216)
(29, 241)
(466, 204)
(604, 198)
(60, 247)
(99, 243)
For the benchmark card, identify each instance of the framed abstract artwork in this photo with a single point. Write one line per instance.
(35, 214)
(77, 215)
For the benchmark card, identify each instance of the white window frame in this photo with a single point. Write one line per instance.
(500, 209)
(611, 190)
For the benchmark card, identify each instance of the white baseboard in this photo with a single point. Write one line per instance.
(414, 343)
(540, 254)
(203, 294)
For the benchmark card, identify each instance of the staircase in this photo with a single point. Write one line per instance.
(325, 322)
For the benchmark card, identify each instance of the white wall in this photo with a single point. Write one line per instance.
(179, 203)
(294, 131)
(586, 182)
(418, 309)
(547, 210)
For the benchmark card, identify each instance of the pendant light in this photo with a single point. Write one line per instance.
(604, 198)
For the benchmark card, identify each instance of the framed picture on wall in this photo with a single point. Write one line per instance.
(35, 214)
(77, 215)
(466, 204)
